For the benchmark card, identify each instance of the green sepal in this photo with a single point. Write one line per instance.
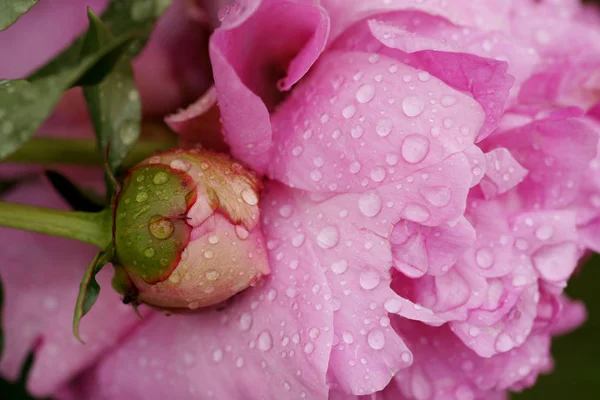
(12, 10)
(113, 104)
(151, 230)
(89, 289)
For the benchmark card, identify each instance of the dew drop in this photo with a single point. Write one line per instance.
(180, 165)
(212, 275)
(265, 341)
(213, 239)
(369, 279)
(160, 178)
(208, 254)
(376, 339)
(309, 348)
(415, 148)
(161, 227)
(217, 355)
(339, 267)
(129, 132)
(298, 240)
(384, 127)
(544, 232)
(393, 305)
(378, 174)
(141, 197)
(412, 106)
(241, 232)
(149, 252)
(328, 237)
(484, 257)
(249, 196)
(245, 321)
(504, 343)
(349, 111)
(286, 211)
(369, 204)
(365, 93)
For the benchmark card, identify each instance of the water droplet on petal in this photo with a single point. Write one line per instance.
(365, 93)
(412, 106)
(149, 252)
(393, 305)
(286, 211)
(339, 267)
(376, 339)
(241, 232)
(369, 279)
(448, 101)
(249, 196)
(245, 321)
(369, 204)
(328, 237)
(217, 355)
(415, 148)
(349, 111)
(544, 232)
(180, 165)
(484, 258)
(265, 341)
(504, 343)
(384, 127)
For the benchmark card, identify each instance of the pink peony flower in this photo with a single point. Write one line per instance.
(431, 184)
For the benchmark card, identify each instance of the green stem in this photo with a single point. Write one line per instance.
(53, 151)
(92, 228)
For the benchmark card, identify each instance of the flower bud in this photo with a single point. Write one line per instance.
(187, 232)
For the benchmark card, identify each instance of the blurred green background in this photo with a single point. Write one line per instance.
(577, 355)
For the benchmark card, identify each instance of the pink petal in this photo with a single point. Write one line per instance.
(486, 79)
(356, 261)
(491, 15)
(361, 139)
(444, 368)
(555, 150)
(38, 308)
(433, 250)
(277, 39)
(503, 173)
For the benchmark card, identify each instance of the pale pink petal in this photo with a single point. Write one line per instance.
(445, 369)
(485, 14)
(356, 261)
(418, 249)
(485, 79)
(357, 99)
(41, 276)
(502, 173)
(555, 150)
(258, 44)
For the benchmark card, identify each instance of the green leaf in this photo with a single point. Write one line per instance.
(114, 104)
(89, 288)
(24, 105)
(12, 10)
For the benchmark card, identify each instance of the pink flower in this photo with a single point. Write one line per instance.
(431, 186)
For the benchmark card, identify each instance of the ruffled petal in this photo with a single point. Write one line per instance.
(260, 43)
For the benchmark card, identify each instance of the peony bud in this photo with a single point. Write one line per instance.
(187, 231)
